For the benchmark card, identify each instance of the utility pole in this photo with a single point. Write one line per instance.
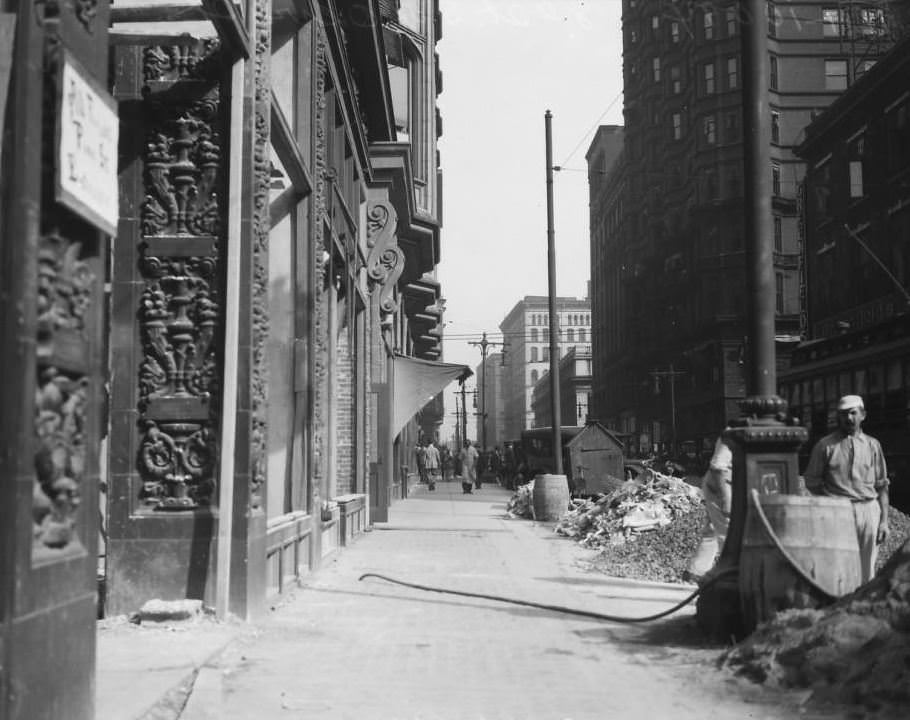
(464, 415)
(554, 318)
(458, 440)
(483, 345)
(672, 374)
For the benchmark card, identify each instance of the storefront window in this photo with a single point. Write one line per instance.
(281, 365)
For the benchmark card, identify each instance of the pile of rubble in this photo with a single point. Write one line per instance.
(636, 507)
(646, 529)
(521, 504)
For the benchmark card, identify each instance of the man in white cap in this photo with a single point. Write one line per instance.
(848, 463)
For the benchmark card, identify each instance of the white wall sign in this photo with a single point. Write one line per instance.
(87, 132)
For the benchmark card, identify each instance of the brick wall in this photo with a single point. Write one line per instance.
(343, 393)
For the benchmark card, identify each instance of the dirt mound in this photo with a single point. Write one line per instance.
(854, 652)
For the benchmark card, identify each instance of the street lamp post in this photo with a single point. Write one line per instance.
(483, 345)
(764, 446)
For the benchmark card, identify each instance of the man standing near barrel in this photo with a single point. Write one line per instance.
(848, 463)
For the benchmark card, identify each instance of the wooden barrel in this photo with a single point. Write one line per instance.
(550, 497)
(819, 535)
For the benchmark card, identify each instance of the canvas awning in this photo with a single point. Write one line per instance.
(415, 382)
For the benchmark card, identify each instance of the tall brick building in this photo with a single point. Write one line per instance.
(668, 273)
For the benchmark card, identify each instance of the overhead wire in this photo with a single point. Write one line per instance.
(592, 129)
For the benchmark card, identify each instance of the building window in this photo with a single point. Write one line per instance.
(655, 23)
(835, 74)
(708, 25)
(832, 22)
(533, 334)
(534, 376)
(871, 22)
(710, 184)
(772, 20)
(708, 73)
(775, 180)
(779, 293)
(732, 22)
(775, 127)
(677, 126)
(655, 68)
(675, 80)
(732, 73)
(773, 75)
(546, 354)
(710, 128)
(731, 126)
(856, 178)
(570, 335)
(674, 32)
(533, 354)
(778, 234)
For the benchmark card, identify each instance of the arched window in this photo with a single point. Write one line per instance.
(533, 354)
(533, 334)
(534, 376)
(570, 335)
(546, 354)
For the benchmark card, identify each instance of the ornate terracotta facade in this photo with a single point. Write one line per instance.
(222, 362)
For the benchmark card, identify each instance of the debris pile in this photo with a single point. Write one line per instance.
(521, 504)
(854, 652)
(647, 529)
(634, 508)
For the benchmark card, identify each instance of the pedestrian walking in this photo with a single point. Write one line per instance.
(421, 462)
(849, 463)
(431, 463)
(717, 489)
(468, 467)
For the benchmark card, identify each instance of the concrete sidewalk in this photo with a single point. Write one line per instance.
(344, 648)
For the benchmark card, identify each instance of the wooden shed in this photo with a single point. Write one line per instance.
(596, 460)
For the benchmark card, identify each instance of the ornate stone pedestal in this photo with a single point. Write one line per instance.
(764, 458)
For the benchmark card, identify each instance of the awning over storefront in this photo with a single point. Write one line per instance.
(415, 382)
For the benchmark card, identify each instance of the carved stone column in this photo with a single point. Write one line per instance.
(385, 264)
(167, 319)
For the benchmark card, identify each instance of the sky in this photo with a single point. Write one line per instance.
(504, 64)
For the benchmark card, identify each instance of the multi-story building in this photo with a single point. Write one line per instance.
(856, 259)
(668, 260)
(221, 326)
(488, 376)
(574, 390)
(526, 332)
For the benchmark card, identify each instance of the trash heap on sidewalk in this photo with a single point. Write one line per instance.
(634, 508)
(521, 503)
(646, 529)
